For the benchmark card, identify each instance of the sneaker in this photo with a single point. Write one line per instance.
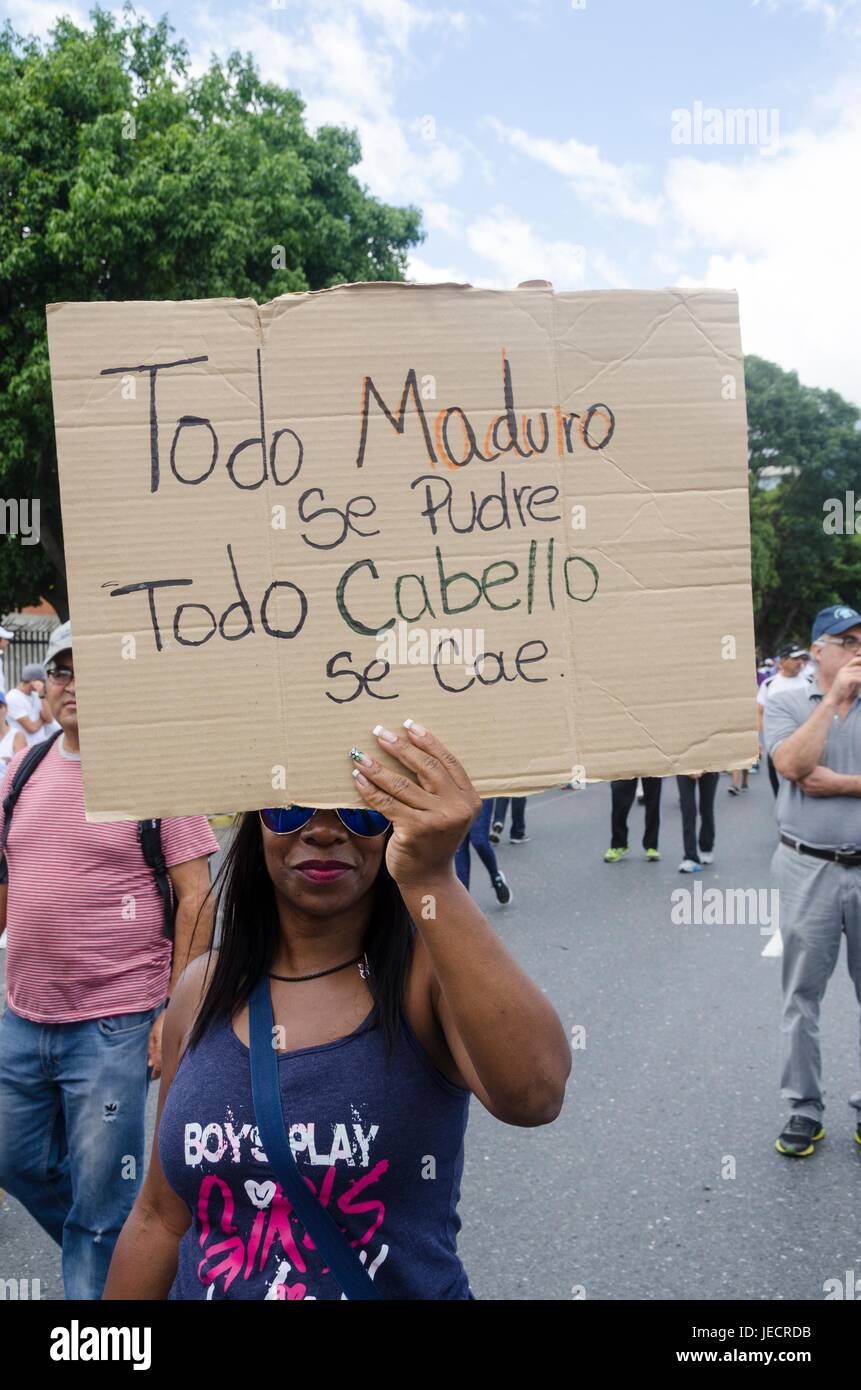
(858, 1130)
(745, 786)
(502, 890)
(799, 1136)
(519, 839)
(652, 856)
(614, 855)
(707, 856)
(733, 791)
(690, 866)
(495, 832)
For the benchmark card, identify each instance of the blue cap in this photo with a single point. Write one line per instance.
(834, 620)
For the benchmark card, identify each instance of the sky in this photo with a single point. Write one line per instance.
(596, 144)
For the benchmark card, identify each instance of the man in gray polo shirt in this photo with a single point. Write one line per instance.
(813, 734)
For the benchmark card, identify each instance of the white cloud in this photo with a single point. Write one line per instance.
(838, 14)
(400, 19)
(441, 217)
(599, 182)
(597, 263)
(669, 266)
(516, 252)
(38, 16)
(424, 273)
(513, 251)
(784, 232)
(347, 61)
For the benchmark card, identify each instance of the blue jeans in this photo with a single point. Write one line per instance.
(518, 814)
(478, 838)
(72, 1098)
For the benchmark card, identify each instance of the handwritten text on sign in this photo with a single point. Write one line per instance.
(447, 437)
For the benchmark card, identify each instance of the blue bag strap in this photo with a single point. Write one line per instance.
(335, 1249)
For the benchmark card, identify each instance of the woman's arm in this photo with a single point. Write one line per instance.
(504, 1036)
(145, 1256)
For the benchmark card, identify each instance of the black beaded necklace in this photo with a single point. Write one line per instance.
(361, 961)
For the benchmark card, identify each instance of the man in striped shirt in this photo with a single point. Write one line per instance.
(88, 971)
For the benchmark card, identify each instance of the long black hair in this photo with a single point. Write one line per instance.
(250, 933)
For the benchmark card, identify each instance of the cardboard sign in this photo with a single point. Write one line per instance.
(519, 518)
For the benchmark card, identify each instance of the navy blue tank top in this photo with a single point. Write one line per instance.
(378, 1139)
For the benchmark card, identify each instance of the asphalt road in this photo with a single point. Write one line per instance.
(659, 1180)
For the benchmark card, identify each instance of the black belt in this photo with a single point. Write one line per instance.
(845, 854)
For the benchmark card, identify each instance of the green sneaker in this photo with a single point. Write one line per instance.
(614, 855)
(652, 856)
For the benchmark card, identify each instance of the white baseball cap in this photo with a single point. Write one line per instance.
(60, 641)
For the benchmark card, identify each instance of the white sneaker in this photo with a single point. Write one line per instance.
(707, 856)
(689, 866)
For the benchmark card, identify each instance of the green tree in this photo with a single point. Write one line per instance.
(798, 567)
(123, 178)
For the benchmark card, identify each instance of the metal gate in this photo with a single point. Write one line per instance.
(28, 645)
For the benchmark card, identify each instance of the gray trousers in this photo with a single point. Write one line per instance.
(819, 901)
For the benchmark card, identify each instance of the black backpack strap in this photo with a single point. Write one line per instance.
(149, 835)
(23, 773)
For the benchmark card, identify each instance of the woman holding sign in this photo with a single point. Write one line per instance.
(323, 1061)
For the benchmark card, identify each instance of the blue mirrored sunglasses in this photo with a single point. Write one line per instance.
(283, 820)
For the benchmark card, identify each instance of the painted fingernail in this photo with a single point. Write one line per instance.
(359, 757)
(385, 734)
(414, 728)
(362, 780)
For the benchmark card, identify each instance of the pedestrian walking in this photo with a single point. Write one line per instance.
(791, 674)
(739, 781)
(479, 838)
(813, 735)
(698, 846)
(518, 835)
(622, 793)
(89, 967)
(348, 945)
